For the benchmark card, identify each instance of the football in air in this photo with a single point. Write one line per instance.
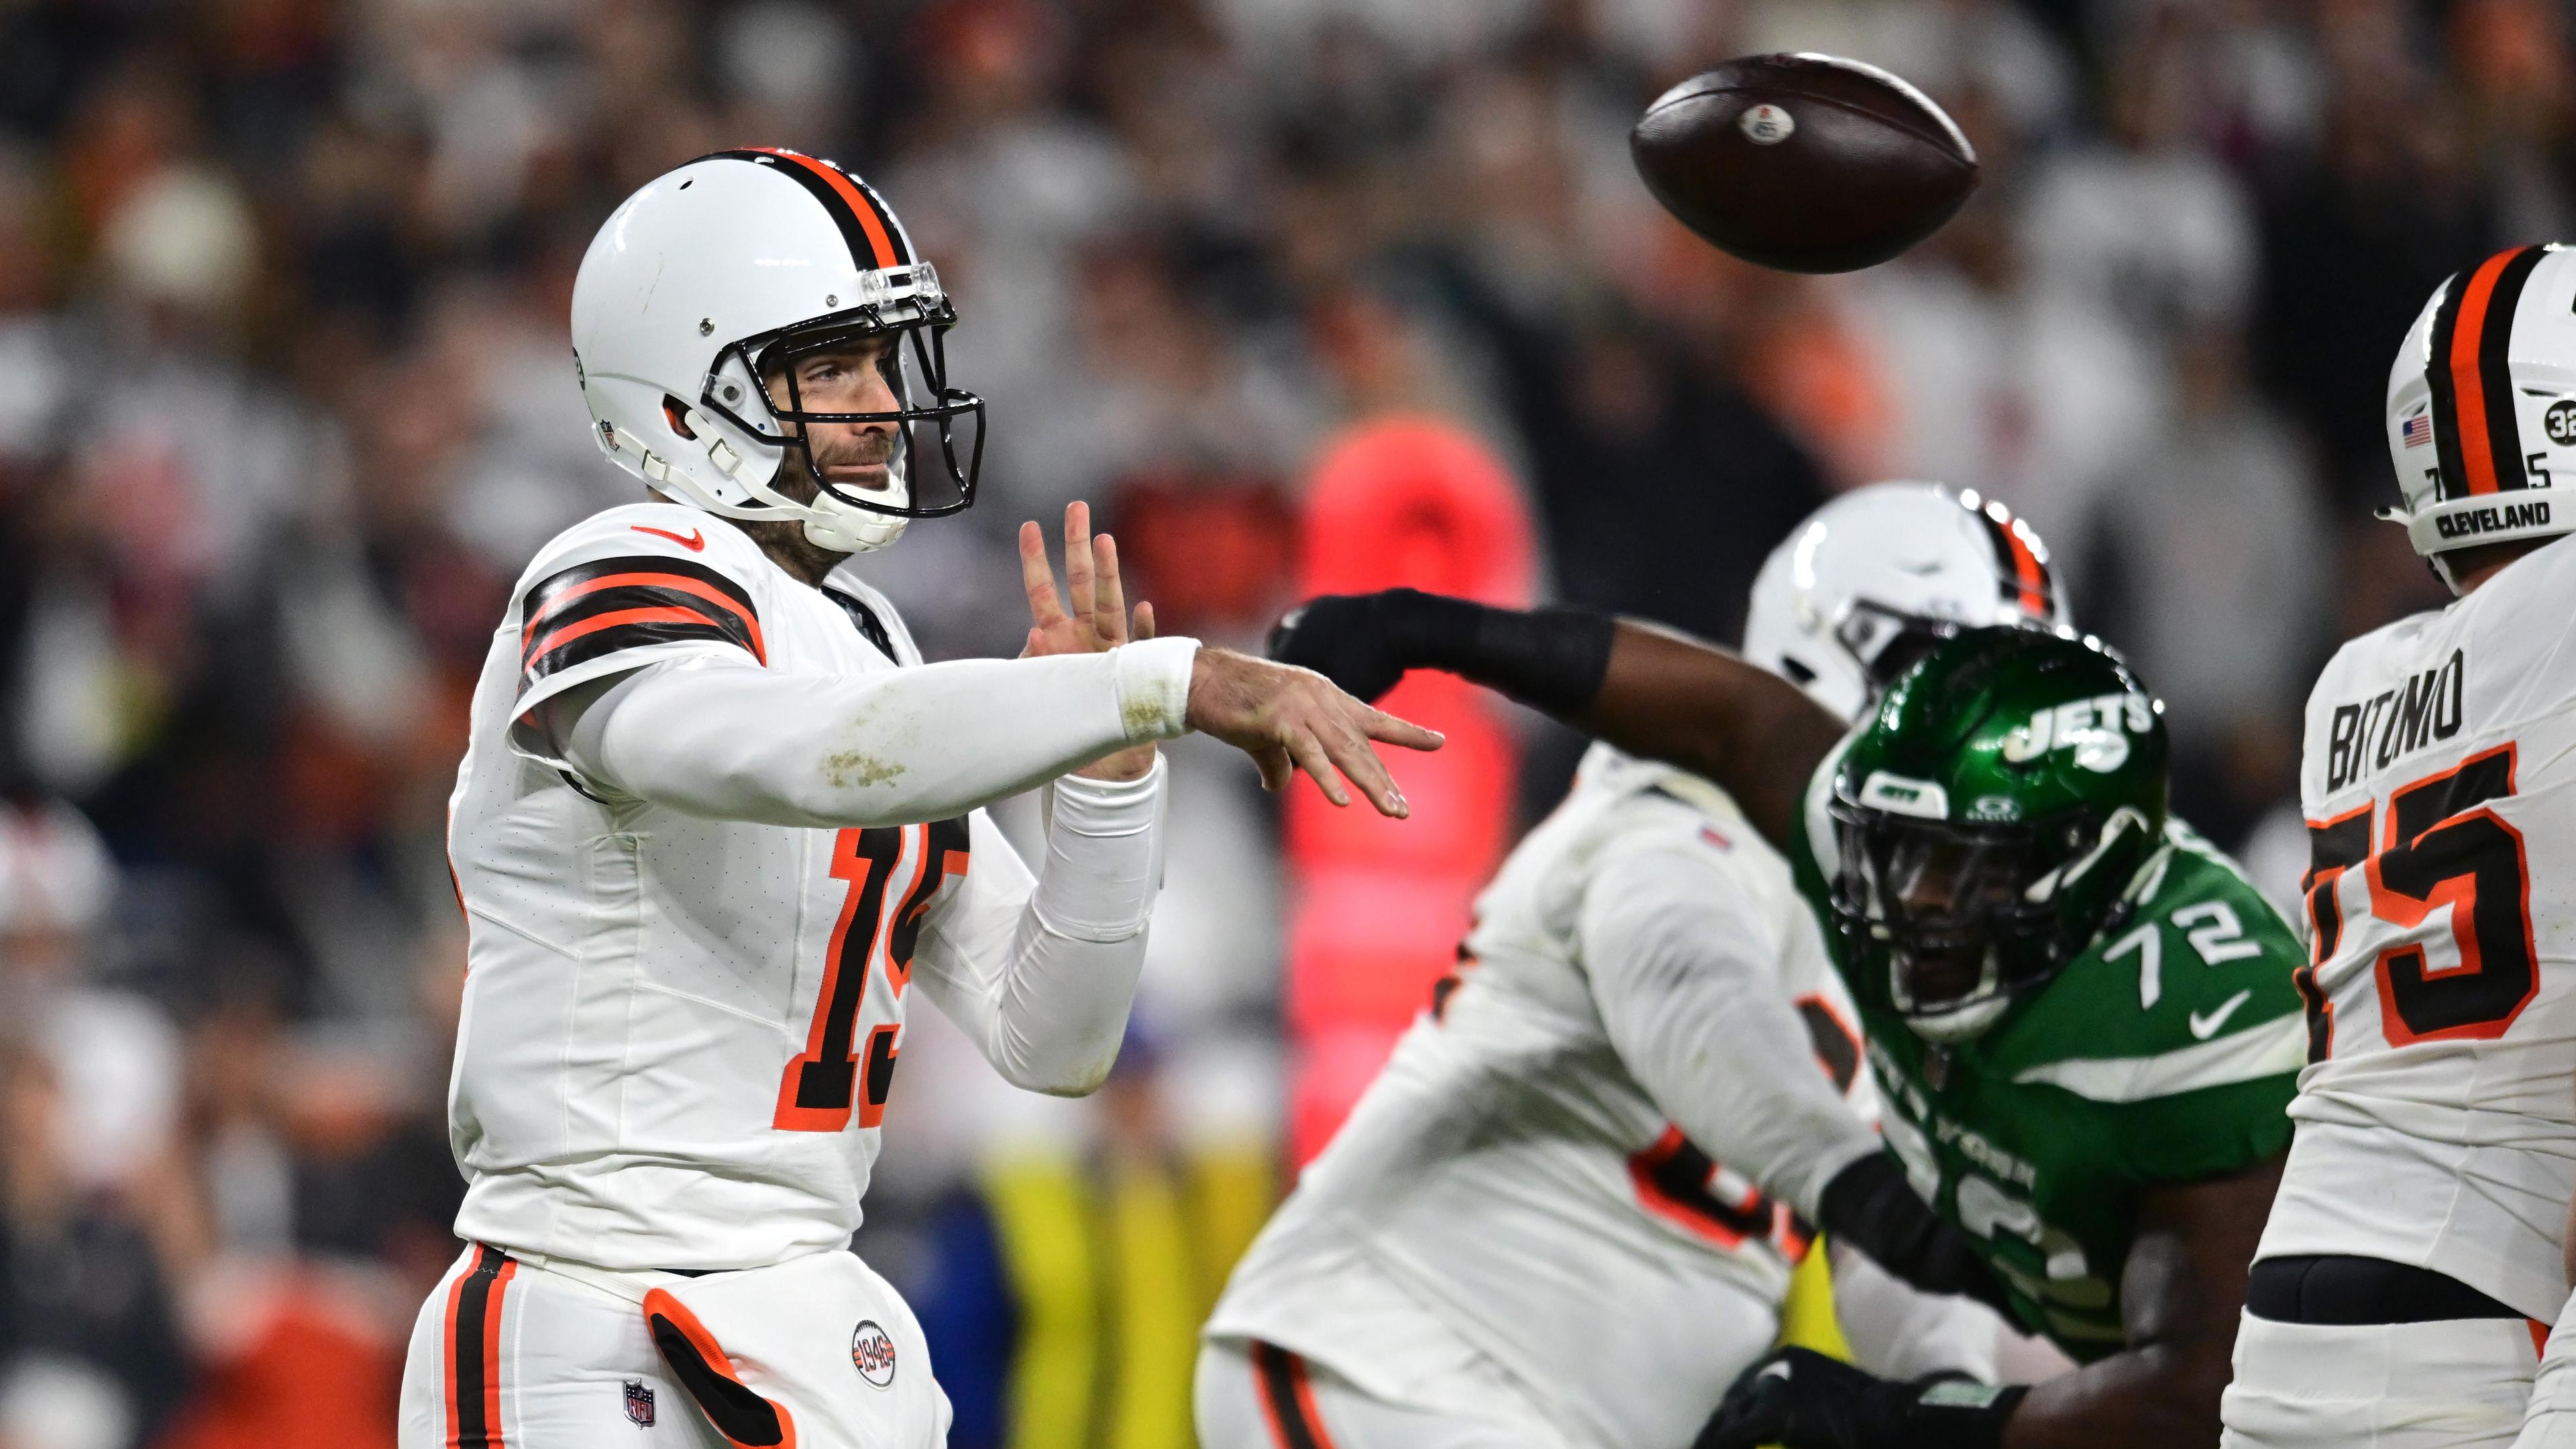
(1805, 163)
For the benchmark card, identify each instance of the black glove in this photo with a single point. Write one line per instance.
(1553, 659)
(1800, 1399)
(1871, 1207)
(1349, 639)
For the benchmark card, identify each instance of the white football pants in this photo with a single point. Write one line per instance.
(2550, 1420)
(2452, 1384)
(815, 1353)
(1255, 1396)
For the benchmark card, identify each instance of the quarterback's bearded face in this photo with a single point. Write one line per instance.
(858, 376)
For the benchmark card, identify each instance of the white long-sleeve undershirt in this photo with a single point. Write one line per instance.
(731, 741)
(1689, 991)
(1041, 976)
(1040, 972)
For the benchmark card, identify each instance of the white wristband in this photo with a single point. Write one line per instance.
(1154, 687)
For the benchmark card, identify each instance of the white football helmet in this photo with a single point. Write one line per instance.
(1872, 580)
(2482, 406)
(717, 274)
(55, 872)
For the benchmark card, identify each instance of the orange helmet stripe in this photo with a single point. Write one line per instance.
(2477, 452)
(865, 224)
(2478, 442)
(878, 241)
(2026, 567)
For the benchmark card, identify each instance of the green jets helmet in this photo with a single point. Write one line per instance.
(1990, 819)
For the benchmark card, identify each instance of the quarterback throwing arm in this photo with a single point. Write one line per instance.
(716, 820)
(2106, 1129)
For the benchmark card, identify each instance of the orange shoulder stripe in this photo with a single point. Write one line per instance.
(681, 582)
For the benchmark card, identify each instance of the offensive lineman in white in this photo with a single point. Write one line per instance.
(1566, 1212)
(2411, 1261)
(716, 817)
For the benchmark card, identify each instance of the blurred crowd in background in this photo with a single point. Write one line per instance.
(286, 403)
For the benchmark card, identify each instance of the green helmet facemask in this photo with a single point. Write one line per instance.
(1991, 818)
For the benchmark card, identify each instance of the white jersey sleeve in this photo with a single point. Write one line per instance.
(704, 721)
(626, 588)
(728, 742)
(1688, 981)
(1040, 972)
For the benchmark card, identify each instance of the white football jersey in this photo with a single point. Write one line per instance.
(2436, 1123)
(679, 1034)
(1509, 1194)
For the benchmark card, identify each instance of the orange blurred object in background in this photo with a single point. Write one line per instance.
(1378, 906)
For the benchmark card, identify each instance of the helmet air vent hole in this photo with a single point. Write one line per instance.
(685, 185)
(676, 413)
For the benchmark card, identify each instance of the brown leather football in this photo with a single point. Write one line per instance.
(1805, 163)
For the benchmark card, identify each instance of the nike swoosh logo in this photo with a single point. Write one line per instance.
(2205, 1027)
(693, 542)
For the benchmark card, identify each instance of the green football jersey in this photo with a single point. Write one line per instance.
(2167, 1052)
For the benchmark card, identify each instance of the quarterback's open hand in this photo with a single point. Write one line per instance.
(1800, 1399)
(1091, 617)
(1350, 639)
(1291, 719)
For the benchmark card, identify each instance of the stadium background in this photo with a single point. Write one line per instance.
(1298, 292)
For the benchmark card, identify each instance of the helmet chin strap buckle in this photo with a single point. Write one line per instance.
(847, 528)
(828, 522)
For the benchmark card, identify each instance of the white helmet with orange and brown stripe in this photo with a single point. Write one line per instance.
(2482, 406)
(706, 283)
(1875, 578)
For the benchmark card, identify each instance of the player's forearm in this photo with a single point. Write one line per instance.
(2152, 1396)
(1690, 996)
(1051, 1017)
(2182, 1293)
(886, 748)
(1759, 1102)
(1666, 696)
(1647, 690)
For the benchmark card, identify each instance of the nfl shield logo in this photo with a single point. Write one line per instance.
(639, 1404)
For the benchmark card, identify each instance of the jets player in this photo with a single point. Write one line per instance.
(2412, 1259)
(1567, 1210)
(2079, 1014)
(717, 822)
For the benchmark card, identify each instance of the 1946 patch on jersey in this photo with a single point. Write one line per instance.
(872, 1353)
